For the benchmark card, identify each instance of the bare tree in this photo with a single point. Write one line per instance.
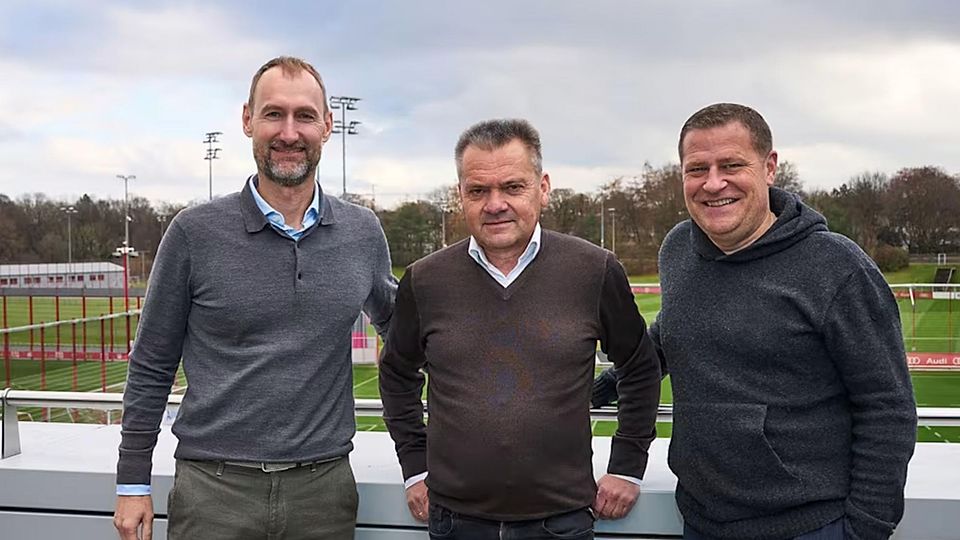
(925, 205)
(788, 178)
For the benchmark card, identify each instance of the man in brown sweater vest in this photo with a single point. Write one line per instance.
(506, 324)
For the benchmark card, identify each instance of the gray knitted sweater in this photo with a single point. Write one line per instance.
(262, 323)
(793, 405)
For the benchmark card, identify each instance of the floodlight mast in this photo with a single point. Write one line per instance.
(69, 211)
(344, 103)
(211, 138)
(126, 239)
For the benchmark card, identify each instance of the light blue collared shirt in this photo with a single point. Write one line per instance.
(276, 218)
(527, 257)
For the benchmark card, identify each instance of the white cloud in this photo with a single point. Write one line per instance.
(900, 90)
(608, 85)
(827, 165)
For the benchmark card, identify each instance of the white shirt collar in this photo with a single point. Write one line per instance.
(533, 248)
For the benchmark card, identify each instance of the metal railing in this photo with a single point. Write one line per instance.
(11, 400)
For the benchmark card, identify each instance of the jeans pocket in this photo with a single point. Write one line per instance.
(570, 525)
(440, 521)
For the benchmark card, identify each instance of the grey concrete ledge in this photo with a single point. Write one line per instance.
(63, 482)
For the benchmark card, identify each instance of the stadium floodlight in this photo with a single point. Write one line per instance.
(613, 230)
(162, 220)
(344, 103)
(69, 210)
(211, 137)
(126, 236)
(603, 236)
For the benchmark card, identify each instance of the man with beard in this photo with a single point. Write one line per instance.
(257, 292)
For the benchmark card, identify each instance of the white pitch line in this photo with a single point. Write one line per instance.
(365, 382)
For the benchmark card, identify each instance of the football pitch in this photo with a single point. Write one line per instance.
(928, 326)
(932, 389)
(49, 309)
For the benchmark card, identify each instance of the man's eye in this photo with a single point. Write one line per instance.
(696, 170)
(514, 188)
(306, 117)
(272, 115)
(732, 166)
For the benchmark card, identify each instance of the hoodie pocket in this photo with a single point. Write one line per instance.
(725, 464)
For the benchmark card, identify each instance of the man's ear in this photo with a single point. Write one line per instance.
(327, 125)
(771, 166)
(247, 127)
(544, 189)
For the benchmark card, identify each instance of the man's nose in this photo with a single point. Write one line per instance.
(716, 180)
(495, 202)
(288, 131)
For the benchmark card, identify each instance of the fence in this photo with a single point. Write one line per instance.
(930, 314)
(87, 334)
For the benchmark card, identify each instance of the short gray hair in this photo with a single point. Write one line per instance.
(492, 134)
(721, 114)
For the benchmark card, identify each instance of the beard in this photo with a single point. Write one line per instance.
(286, 173)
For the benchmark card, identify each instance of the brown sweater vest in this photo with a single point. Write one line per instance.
(510, 374)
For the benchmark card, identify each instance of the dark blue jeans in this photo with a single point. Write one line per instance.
(831, 531)
(447, 525)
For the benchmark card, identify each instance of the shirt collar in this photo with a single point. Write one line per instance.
(276, 218)
(533, 247)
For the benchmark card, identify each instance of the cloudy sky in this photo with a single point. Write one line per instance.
(92, 89)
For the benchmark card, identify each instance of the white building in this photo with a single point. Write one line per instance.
(78, 275)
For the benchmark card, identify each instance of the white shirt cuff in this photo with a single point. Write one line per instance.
(631, 479)
(413, 480)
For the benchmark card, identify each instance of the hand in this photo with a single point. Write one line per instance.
(615, 497)
(418, 500)
(133, 517)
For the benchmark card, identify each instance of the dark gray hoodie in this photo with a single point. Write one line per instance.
(793, 405)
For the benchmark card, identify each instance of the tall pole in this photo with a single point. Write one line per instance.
(211, 138)
(126, 237)
(344, 103)
(143, 265)
(602, 232)
(613, 230)
(443, 225)
(343, 146)
(69, 210)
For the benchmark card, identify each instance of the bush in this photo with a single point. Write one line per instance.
(890, 258)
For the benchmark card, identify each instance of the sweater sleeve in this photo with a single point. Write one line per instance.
(155, 356)
(624, 338)
(863, 333)
(401, 382)
(379, 304)
(654, 333)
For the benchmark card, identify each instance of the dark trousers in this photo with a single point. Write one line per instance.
(831, 531)
(212, 500)
(447, 525)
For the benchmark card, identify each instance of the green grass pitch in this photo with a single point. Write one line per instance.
(928, 326)
(45, 310)
(933, 389)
